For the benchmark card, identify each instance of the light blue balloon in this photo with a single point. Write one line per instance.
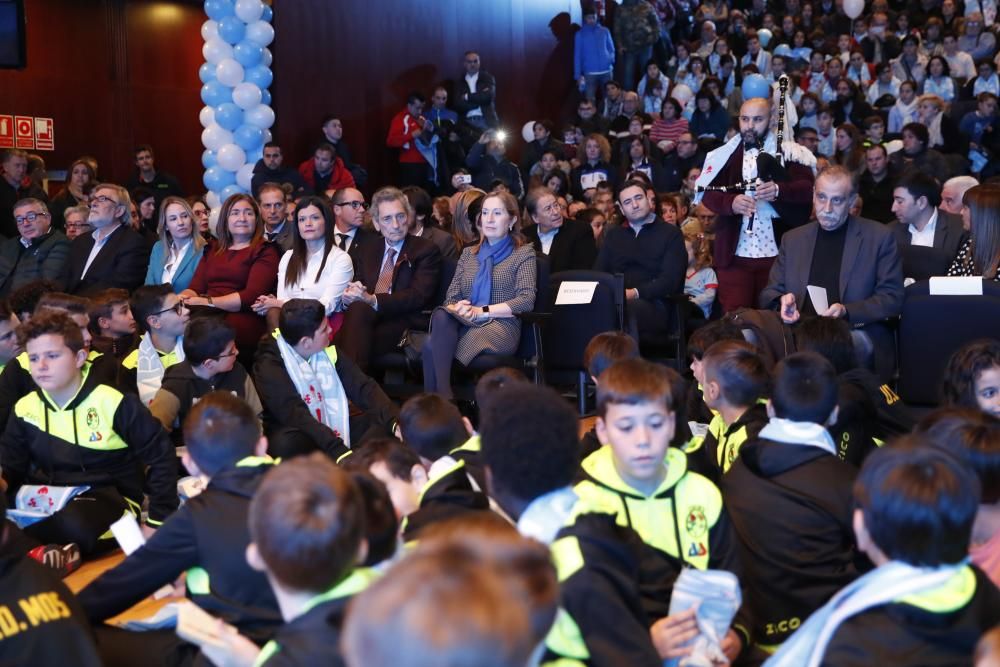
(216, 178)
(229, 116)
(231, 189)
(214, 93)
(265, 97)
(219, 9)
(206, 72)
(248, 137)
(260, 76)
(247, 53)
(209, 159)
(755, 85)
(232, 30)
(267, 14)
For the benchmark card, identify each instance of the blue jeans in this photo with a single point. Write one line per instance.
(634, 64)
(594, 84)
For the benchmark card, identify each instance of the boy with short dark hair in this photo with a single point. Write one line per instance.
(602, 351)
(735, 384)
(209, 365)
(789, 498)
(76, 431)
(922, 604)
(702, 339)
(307, 387)
(161, 317)
(9, 347)
(207, 536)
(112, 324)
(25, 298)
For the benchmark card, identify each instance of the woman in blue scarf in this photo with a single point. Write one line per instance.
(494, 281)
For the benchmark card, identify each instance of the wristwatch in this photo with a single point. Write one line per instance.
(486, 310)
(211, 302)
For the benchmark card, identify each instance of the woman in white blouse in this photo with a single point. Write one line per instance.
(176, 254)
(314, 268)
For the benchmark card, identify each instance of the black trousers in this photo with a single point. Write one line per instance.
(366, 335)
(84, 520)
(286, 442)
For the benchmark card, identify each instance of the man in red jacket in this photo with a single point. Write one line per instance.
(324, 171)
(406, 128)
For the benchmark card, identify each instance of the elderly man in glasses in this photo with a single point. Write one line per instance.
(38, 252)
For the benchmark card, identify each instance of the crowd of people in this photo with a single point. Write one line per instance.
(217, 374)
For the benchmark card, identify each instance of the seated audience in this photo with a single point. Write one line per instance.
(877, 185)
(487, 162)
(77, 220)
(307, 388)
(325, 172)
(81, 179)
(980, 254)
(57, 452)
(425, 225)
(916, 154)
(928, 237)
(207, 538)
(493, 283)
(972, 377)
(568, 244)
(603, 351)
(9, 347)
(112, 324)
(160, 317)
(595, 166)
(179, 248)
(700, 281)
(39, 252)
(349, 216)
(789, 497)
(270, 169)
(274, 211)
(14, 187)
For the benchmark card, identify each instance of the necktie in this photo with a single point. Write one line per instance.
(342, 241)
(385, 276)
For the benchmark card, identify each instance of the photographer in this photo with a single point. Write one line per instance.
(487, 163)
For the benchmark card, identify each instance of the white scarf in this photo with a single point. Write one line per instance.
(882, 585)
(149, 369)
(318, 384)
(790, 432)
(934, 131)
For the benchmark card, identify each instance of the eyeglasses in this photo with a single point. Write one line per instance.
(354, 204)
(103, 199)
(177, 308)
(79, 225)
(227, 354)
(30, 217)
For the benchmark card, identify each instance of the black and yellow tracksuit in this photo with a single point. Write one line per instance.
(685, 520)
(791, 507)
(448, 494)
(933, 628)
(721, 445)
(98, 439)
(181, 389)
(470, 453)
(207, 538)
(127, 377)
(313, 638)
(41, 622)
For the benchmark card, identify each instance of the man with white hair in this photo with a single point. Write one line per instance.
(708, 39)
(952, 192)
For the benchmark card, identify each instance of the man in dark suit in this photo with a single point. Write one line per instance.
(277, 228)
(568, 244)
(475, 100)
(396, 280)
(114, 255)
(928, 236)
(348, 215)
(855, 260)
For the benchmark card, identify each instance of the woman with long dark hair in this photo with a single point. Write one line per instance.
(980, 254)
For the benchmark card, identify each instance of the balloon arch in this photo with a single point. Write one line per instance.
(236, 75)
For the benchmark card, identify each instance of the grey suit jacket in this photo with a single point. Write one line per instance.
(921, 263)
(871, 272)
(442, 239)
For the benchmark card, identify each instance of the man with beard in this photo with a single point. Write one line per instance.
(751, 222)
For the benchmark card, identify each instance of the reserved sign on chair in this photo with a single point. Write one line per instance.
(575, 292)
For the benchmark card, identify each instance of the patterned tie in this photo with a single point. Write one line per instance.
(342, 241)
(385, 277)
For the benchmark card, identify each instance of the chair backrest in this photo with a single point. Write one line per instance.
(448, 266)
(932, 328)
(572, 326)
(526, 346)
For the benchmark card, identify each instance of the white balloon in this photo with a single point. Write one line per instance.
(244, 175)
(682, 93)
(207, 116)
(249, 11)
(268, 136)
(216, 50)
(212, 199)
(853, 8)
(246, 95)
(267, 58)
(213, 215)
(261, 116)
(231, 157)
(229, 72)
(260, 33)
(209, 29)
(528, 131)
(215, 137)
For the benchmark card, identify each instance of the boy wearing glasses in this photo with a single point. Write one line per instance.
(209, 364)
(38, 252)
(160, 316)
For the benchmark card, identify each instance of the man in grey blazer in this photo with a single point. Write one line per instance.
(277, 229)
(855, 260)
(928, 236)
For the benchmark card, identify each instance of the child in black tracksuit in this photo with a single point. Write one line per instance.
(208, 535)
(789, 498)
(74, 430)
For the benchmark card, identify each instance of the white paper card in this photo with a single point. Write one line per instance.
(956, 286)
(126, 531)
(818, 297)
(588, 181)
(572, 292)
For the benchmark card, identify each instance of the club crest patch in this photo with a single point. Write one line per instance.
(93, 420)
(695, 522)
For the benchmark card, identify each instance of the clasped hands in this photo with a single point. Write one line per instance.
(466, 310)
(264, 303)
(356, 292)
(747, 204)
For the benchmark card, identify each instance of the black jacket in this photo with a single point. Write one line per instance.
(654, 262)
(445, 497)
(877, 197)
(209, 533)
(283, 406)
(280, 176)
(49, 627)
(9, 195)
(485, 169)
(44, 259)
(920, 262)
(791, 509)
(180, 389)
(573, 247)
(122, 262)
(483, 97)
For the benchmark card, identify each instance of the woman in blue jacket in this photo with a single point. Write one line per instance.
(709, 117)
(176, 255)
